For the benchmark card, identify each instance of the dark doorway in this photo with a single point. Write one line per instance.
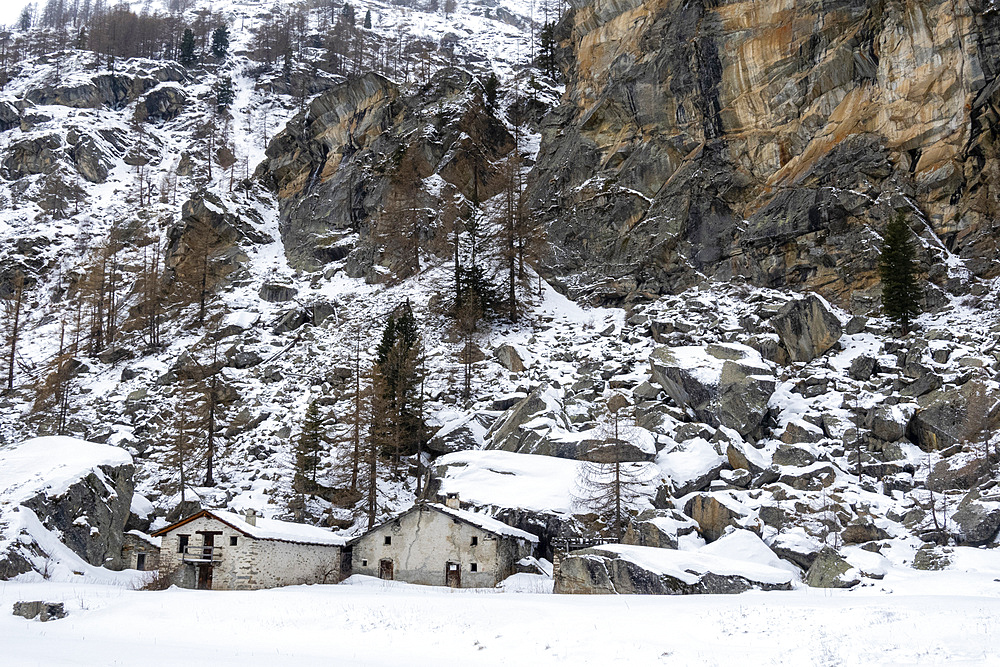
(205, 577)
(346, 562)
(205, 570)
(453, 575)
(385, 569)
(140, 562)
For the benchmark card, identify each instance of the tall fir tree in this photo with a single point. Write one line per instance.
(897, 268)
(220, 42)
(186, 57)
(398, 382)
(310, 447)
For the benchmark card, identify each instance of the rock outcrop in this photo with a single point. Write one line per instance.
(360, 146)
(806, 328)
(627, 569)
(82, 501)
(723, 385)
(704, 139)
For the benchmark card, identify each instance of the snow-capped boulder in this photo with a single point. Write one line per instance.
(727, 385)
(459, 434)
(629, 569)
(58, 493)
(830, 570)
(36, 155)
(511, 357)
(888, 422)
(807, 327)
(942, 418)
(659, 528)
(715, 513)
(977, 520)
(10, 117)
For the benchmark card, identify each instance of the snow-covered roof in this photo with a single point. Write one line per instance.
(155, 541)
(266, 529)
(487, 523)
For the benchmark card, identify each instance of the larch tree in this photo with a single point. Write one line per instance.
(607, 483)
(897, 268)
(13, 311)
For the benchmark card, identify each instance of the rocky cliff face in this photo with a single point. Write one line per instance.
(361, 144)
(769, 140)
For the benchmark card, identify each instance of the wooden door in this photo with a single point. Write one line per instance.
(453, 575)
(140, 562)
(205, 569)
(385, 569)
(205, 577)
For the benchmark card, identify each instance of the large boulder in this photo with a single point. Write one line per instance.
(511, 357)
(807, 327)
(722, 385)
(63, 490)
(629, 569)
(461, 434)
(715, 514)
(37, 155)
(659, 528)
(830, 570)
(165, 102)
(977, 519)
(952, 414)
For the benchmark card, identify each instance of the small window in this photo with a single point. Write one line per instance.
(364, 562)
(182, 543)
(475, 540)
(388, 539)
(233, 541)
(140, 562)
(473, 567)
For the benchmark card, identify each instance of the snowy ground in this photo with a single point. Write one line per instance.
(914, 618)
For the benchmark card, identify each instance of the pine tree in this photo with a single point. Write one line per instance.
(368, 20)
(310, 447)
(224, 93)
(187, 48)
(901, 291)
(220, 42)
(490, 89)
(397, 380)
(547, 49)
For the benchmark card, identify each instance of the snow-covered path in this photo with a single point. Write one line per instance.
(952, 621)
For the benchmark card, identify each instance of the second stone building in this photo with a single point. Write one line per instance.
(441, 545)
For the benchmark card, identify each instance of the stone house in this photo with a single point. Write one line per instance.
(140, 551)
(441, 545)
(220, 550)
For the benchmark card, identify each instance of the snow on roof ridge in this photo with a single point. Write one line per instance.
(275, 529)
(485, 522)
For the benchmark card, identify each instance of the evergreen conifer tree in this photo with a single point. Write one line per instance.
(897, 267)
(310, 446)
(368, 20)
(398, 383)
(224, 93)
(187, 48)
(220, 42)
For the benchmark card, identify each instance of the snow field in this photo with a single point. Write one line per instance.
(375, 623)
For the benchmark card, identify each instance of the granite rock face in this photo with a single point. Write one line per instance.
(767, 141)
(361, 145)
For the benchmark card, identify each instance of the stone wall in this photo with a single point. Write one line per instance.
(424, 541)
